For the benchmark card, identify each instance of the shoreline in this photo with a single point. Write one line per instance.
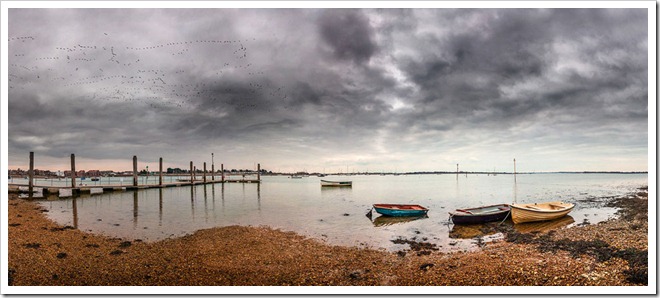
(43, 253)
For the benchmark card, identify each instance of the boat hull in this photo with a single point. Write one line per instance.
(336, 183)
(481, 215)
(521, 213)
(400, 210)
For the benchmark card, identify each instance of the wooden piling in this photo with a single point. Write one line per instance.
(73, 170)
(160, 171)
(191, 173)
(212, 169)
(204, 172)
(31, 175)
(135, 173)
(222, 170)
(259, 172)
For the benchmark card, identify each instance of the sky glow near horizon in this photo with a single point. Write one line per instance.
(330, 90)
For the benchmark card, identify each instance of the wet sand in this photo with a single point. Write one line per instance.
(43, 253)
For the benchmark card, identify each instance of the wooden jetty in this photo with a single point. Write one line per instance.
(74, 189)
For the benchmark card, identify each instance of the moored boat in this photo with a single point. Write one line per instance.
(539, 211)
(400, 209)
(480, 214)
(336, 183)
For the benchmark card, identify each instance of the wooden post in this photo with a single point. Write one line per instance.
(222, 170)
(259, 172)
(191, 173)
(31, 174)
(160, 171)
(204, 173)
(212, 169)
(73, 171)
(135, 173)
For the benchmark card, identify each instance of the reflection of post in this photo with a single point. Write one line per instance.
(213, 198)
(259, 196)
(135, 207)
(222, 195)
(31, 175)
(192, 201)
(206, 207)
(75, 213)
(160, 207)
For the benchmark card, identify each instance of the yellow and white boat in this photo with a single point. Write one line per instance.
(539, 211)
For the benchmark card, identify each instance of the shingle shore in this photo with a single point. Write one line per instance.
(43, 253)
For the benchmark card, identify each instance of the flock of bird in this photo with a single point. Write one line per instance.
(175, 74)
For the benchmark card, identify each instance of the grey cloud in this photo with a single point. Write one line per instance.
(348, 34)
(332, 81)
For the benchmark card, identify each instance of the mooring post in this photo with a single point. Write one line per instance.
(191, 173)
(212, 169)
(135, 176)
(31, 174)
(259, 172)
(204, 173)
(160, 171)
(73, 172)
(222, 170)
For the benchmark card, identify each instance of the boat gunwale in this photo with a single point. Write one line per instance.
(461, 212)
(415, 205)
(544, 210)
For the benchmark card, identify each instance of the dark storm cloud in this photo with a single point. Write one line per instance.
(348, 34)
(346, 84)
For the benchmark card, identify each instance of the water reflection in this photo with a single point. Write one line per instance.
(160, 207)
(544, 226)
(471, 231)
(135, 208)
(75, 213)
(389, 220)
(337, 213)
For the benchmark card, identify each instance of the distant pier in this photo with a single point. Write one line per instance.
(74, 190)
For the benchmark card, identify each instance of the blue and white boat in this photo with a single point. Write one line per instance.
(400, 210)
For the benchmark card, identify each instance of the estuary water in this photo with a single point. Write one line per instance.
(337, 215)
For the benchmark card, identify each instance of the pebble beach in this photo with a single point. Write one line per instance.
(43, 253)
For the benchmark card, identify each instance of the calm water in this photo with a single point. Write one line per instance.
(337, 215)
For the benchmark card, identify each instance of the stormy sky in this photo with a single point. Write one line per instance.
(330, 90)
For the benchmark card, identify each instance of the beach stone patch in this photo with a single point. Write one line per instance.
(61, 255)
(125, 244)
(10, 276)
(14, 224)
(426, 266)
(33, 245)
(92, 245)
(422, 248)
(57, 229)
(116, 252)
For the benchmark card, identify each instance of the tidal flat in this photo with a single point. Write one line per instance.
(44, 253)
